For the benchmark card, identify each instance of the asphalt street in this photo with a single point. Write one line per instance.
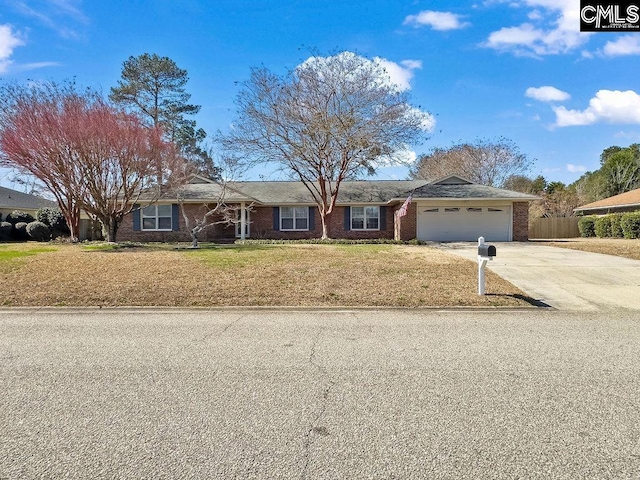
(400, 394)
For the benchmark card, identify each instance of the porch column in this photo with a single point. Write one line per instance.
(243, 221)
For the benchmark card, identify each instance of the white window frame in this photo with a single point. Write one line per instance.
(365, 217)
(295, 217)
(156, 218)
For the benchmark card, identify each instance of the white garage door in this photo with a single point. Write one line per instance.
(456, 224)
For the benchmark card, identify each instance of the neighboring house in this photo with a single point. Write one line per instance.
(11, 200)
(450, 209)
(624, 202)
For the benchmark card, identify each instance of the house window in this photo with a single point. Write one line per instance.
(494, 209)
(474, 209)
(294, 218)
(452, 209)
(156, 217)
(365, 218)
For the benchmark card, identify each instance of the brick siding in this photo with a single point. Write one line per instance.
(261, 226)
(520, 221)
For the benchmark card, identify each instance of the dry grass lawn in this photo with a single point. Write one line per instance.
(252, 275)
(620, 247)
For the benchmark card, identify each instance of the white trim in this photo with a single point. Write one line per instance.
(294, 218)
(247, 223)
(507, 208)
(364, 218)
(157, 218)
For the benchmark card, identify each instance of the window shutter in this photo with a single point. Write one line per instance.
(383, 218)
(136, 217)
(276, 219)
(175, 219)
(312, 218)
(347, 219)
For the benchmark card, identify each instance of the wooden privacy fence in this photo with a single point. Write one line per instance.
(554, 227)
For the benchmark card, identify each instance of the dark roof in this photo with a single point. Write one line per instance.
(380, 191)
(12, 199)
(465, 191)
(373, 191)
(627, 199)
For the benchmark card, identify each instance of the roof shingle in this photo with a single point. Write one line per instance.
(629, 198)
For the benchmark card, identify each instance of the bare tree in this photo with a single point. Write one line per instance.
(215, 212)
(329, 119)
(88, 154)
(487, 162)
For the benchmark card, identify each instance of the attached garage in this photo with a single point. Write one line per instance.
(464, 222)
(454, 209)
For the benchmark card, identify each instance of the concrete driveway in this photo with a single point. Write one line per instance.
(562, 278)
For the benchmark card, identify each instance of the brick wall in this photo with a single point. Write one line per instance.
(408, 223)
(520, 221)
(261, 226)
(126, 232)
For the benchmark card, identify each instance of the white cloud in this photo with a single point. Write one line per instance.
(59, 15)
(23, 67)
(535, 15)
(400, 74)
(634, 136)
(547, 94)
(556, 30)
(428, 121)
(436, 20)
(626, 45)
(576, 168)
(611, 106)
(9, 40)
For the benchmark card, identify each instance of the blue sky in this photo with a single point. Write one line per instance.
(518, 68)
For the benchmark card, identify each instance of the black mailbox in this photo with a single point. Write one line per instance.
(486, 250)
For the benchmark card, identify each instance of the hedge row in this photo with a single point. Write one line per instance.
(614, 225)
(331, 241)
(21, 226)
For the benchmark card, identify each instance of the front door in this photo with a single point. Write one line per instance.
(238, 225)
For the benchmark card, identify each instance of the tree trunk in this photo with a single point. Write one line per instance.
(194, 239)
(72, 217)
(326, 225)
(109, 228)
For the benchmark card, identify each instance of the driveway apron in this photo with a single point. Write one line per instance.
(562, 278)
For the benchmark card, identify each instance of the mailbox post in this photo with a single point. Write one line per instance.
(486, 252)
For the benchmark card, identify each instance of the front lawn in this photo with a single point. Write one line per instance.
(245, 275)
(620, 247)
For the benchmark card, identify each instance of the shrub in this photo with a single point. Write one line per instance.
(39, 231)
(616, 226)
(5, 231)
(630, 224)
(331, 241)
(20, 231)
(586, 226)
(602, 226)
(53, 218)
(18, 216)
